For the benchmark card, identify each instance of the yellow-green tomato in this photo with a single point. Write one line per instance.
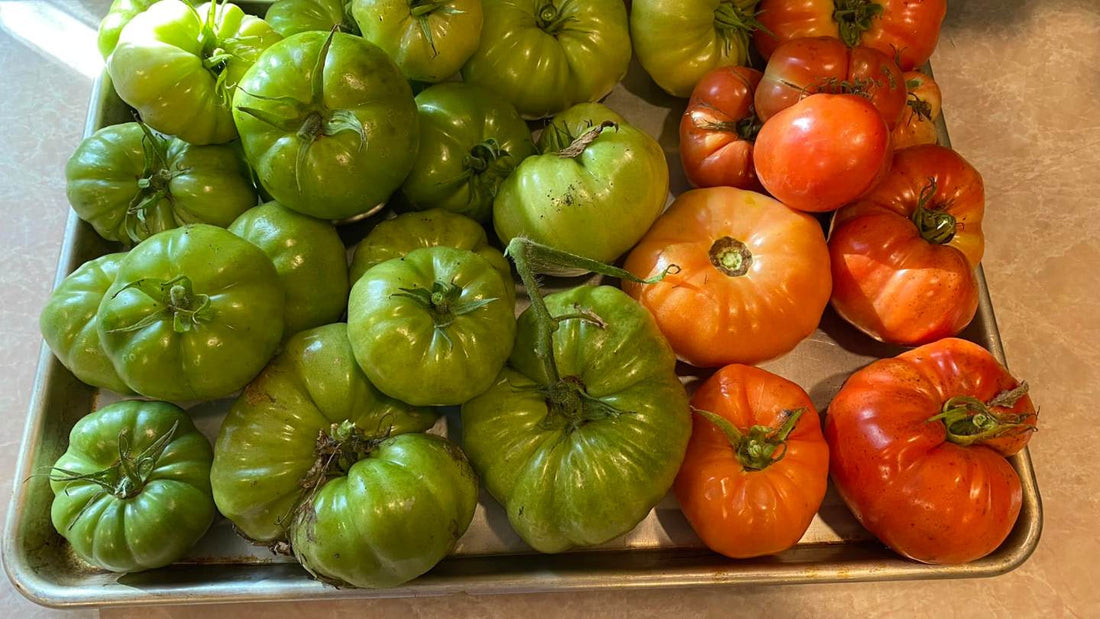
(289, 17)
(179, 66)
(679, 41)
(132, 491)
(310, 258)
(429, 40)
(546, 55)
(328, 124)
(432, 328)
(598, 185)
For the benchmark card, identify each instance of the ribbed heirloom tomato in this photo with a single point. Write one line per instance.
(822, 152)
(908, 29)
(753, 276)
(718, 129)
(903, 258)
(756, 466)
(803, 67)
(918, 446)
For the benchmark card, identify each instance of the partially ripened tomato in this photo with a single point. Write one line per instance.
(757, 464)
(907, 29)
(903, 258)
(802, 67)
(922, 108)
(918, 446)
(718, 129)
(752, 282)
(823, 152)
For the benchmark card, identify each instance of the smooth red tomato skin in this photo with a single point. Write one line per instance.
(823, 152)
(743, 513)
(802, 67)
(714, 157)
(908, 28)
(931, 500)
(888, 281)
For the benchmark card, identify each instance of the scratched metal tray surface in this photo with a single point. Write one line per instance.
(662, 551)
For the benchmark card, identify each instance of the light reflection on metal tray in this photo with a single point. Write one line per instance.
(661, 552)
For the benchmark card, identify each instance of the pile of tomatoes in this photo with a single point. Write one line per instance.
(254, 139)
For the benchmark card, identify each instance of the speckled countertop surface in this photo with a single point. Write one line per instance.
(1021, 83)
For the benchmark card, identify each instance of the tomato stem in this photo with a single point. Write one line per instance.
(178, 301)
(531, 258)
(968, 421)
(936, 225)
(760, 446)
(128, 476)
(730, 256)
(735, 24)
(577, 146)
(854, 17)
(551, 19)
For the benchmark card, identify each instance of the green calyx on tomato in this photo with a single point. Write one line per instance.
(178, 301)
(131, 183)
(470, 141)
(735, 24)
(761, 446)
(969, 421)
(935, 224)
(132, 490)
(444, 302)
(854, 17)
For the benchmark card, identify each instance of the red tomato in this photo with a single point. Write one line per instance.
(903, 258)
(822, 152)
(802, 67)
(905, 29)
(918, 446)
(718, 129)
(923, 107)
(753, 276)
(757, 464)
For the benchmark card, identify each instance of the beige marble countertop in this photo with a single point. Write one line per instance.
(1021, 83)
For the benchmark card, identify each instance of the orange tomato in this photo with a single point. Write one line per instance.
(918, 445)
(903, 258)
(923, 106)
(756, 466)
(753, 279)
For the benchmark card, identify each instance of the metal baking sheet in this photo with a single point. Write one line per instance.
(661, 552)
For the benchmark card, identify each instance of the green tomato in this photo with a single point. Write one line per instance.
(132, 491)
(130, 183)
(68, 323)
(289, 17)
(120, 14)
(680, 41)
(410, 498)
(330, 143)
(432, 328)
(393, 238)
(583, 460)
(178, 66)
(597, 187)
(429, 40)
(194, 314)
(546, 55)
(268, 449)
(470, 141)
(310, 258)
